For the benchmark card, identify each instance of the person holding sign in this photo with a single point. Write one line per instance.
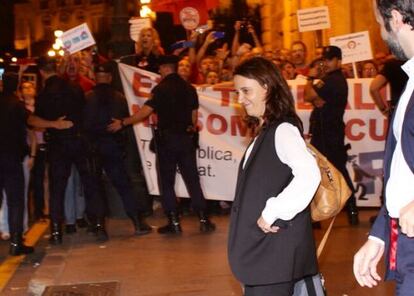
(327, 128)
(270, 244)
(393, 230)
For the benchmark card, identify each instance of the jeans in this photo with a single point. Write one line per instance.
(74, 198)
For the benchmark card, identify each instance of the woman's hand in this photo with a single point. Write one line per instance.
(265, 227)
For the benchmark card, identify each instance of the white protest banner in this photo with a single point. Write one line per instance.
(312, 19)
(136, 25)
(355, 47)
(77, 38)
(224, 137)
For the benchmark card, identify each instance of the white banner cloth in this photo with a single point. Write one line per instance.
(224, 138)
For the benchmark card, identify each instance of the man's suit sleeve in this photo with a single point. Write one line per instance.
(380, 228)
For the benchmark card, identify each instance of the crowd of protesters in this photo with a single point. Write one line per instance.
(203, 60)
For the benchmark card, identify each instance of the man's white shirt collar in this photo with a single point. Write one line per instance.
(408, 67)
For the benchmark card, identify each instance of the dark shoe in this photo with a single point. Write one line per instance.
(173, 226)
(353, 218)
(70, 228)
(352, 211)
(81, 223)
(17, 247)
(100, 232)
(140, 225)
(55, 234)
(205, 224)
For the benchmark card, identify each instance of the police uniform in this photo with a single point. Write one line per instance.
(66, 147)
(13, 148)
(327, 126)
(174, 100)
(103, 103)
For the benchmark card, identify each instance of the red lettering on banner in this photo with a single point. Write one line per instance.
(373, 129)
(300, 99)
(216, 118)
(225, 95)
(237, 124)
(348, 130)
(359, 104)
(138, 84)
(199, 123)
(152, 118)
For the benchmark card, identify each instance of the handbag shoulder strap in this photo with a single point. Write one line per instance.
(325, 238)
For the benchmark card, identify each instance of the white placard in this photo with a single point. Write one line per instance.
(77, 38)
(190, 18)
(312, 19)
(137, 24)
(355, 47)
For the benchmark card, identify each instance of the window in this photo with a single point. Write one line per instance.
(44, 4)
(80, 15)
(46, 20)
(64, 17)
(61, 3)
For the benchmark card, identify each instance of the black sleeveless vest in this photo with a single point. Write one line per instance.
(257, 258)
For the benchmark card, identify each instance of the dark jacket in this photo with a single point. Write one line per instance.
(13, 132)
(381, 227)
(257, 258)
(103, 103)
(60, 98)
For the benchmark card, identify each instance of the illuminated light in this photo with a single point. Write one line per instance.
(51, 53)
(145, 1)
(58, 33)
(146, 11)
(61, 52)
(59, 42)
(1, 60)
(56, 46)
(14, 59)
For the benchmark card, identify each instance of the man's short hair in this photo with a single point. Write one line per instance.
(404, 7)
(46, 64)
(299, 42)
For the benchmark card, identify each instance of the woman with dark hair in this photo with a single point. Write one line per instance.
(270, 240)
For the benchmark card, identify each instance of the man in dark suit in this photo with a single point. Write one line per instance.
(393, 230)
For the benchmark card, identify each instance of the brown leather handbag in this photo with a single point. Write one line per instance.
(333, 191)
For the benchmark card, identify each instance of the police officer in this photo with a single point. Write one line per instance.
(13, 149)
(329, 98)
(59, 99)
(103, 103)
(176, 103)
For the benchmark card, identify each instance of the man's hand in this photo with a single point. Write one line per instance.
(265, 227)
(30, 162)
(115, 126)
(222, 52)
(407, 219)
(61, 123)
(318, 102)
(366, 261)
(313, 72)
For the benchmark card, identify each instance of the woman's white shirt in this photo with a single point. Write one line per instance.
(296, 196)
